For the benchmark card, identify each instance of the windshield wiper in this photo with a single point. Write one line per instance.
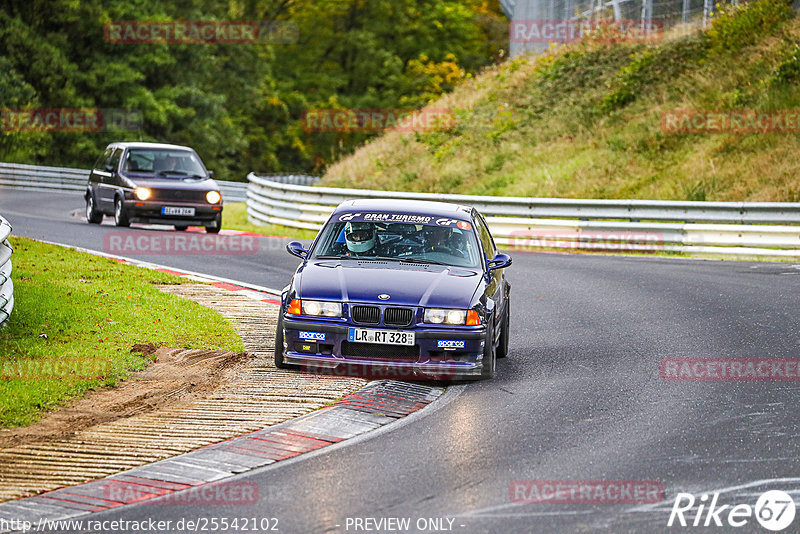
(425, 262)
(166, 172)
(402, 260)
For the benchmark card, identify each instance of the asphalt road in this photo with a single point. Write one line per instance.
(580, 398)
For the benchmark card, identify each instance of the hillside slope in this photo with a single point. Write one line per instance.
(586, 121)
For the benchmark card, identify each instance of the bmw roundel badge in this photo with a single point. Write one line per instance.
(383, 296)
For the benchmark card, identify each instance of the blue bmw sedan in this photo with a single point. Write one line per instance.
(410, 286)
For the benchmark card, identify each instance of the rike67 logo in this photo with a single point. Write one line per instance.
(774, 510)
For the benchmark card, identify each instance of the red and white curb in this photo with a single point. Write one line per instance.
(195, 478)
(253, 291)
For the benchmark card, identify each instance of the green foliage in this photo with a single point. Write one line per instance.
(629, 81)
(737, 26)
(238, 105)
(652, 65)
(696, 191)
(788, 70)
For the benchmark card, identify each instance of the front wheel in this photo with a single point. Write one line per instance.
(120, 217)
(279, 363)
(93, 216)
(502, 348)
(489, 354)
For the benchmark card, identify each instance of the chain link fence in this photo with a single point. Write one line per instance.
(537, 23)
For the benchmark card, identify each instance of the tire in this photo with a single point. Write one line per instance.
(92, 215)
(216, 227)
(502, 347)
(181, 228)
(120, 217)
(279, 362)
(489, 354)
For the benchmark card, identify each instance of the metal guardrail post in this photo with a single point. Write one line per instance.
(6, 285)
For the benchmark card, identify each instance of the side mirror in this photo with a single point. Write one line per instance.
(109, 168)
(210, 174)
(500, 261)
(295, 248)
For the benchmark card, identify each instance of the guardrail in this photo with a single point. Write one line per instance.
(749, 228)
(42, 178)
(6, 285)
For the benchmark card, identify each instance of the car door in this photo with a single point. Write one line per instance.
(495, 279)
(106, 186)
(95, 176)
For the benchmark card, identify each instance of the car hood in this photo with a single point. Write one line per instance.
(157, 182)
(433, 286)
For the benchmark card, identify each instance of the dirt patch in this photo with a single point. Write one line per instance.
(177, 376)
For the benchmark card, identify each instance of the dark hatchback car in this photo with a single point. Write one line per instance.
(153, 183)
(416, 288)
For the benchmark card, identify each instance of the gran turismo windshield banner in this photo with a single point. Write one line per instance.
(407, 218)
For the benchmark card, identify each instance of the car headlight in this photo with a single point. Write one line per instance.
(443, 316)
(317, 308)
(142, 193)
(213, 197)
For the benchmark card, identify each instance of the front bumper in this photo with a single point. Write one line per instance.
(149, 211)
(463, 357)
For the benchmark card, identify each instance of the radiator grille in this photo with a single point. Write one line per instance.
(398, 316)
(366, 314)
(373, 351)
(177, 195)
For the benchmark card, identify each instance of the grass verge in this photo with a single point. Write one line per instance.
(585, 121)
(75, 319)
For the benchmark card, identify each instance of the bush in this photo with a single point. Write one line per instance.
(736, 27)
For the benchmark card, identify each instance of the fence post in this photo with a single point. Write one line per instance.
(6, 285)
(647, 15)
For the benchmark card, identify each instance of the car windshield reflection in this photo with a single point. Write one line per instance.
(165, 163)
(400, 242)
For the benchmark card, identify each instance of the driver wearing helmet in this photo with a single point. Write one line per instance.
(361, 238)
(437, 236)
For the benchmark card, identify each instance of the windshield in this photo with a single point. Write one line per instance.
(403, 242)
(164, 162)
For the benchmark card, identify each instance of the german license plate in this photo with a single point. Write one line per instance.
(171, 210)
(384, 337)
